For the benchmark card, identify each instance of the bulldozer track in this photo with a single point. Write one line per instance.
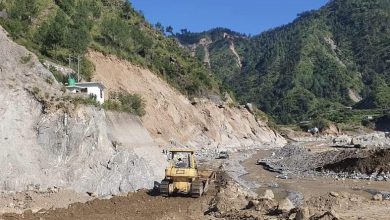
(164, 188)
(197, 189)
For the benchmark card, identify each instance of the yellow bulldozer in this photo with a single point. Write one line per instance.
(183, 176)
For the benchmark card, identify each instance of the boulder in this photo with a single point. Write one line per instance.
(266, 205)
(302, 214)
(334, 194)
(327, 215)
(249, 107)
(285, 205)
(377, 197)
(252, 203)
(268, 194)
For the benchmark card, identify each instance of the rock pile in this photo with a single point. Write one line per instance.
(234, 202)
(296, 161)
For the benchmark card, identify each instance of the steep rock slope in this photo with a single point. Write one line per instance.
(172, 119)
(43, 144)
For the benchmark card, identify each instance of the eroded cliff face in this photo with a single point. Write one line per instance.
(105, 153)
(43, 144)
(172, 118)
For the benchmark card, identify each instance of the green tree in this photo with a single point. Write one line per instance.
(115, 31)
(169, 29)
(53, 33)
(127, 9)
(67, 6)
(159, 27)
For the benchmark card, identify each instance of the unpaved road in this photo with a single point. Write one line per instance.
(140, 205)
(145, 204)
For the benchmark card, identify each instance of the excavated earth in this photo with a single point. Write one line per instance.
(140, 205)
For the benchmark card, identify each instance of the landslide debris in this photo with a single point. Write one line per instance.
(373, 161)
(172, 119)
(294, 160)
(297, 159)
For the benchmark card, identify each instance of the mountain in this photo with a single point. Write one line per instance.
(327, 59)
(57, 29)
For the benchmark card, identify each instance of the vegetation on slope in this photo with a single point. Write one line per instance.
(222, 60)
(57, 29)
(310, 68)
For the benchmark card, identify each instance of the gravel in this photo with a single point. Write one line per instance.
(294, 161)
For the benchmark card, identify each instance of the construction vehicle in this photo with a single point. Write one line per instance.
(223, 155)
(183, 176)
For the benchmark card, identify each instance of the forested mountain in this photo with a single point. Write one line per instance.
(57, 29)
(325, 60)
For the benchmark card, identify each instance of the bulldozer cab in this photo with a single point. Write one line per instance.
(182, 159)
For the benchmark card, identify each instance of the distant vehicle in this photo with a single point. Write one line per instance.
(223, 155)
(313, 131)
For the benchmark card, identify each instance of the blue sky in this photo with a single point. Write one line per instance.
(245, 16)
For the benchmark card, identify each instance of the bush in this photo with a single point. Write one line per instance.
(61, 78)
(125, 102)
(86, 68)
(78, 100)
(25, 59)
(320, 123)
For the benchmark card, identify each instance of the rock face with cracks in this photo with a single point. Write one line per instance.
(43, 144)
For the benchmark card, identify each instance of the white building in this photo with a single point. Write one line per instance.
(95, 89)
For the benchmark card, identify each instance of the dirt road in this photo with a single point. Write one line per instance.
(140, 205)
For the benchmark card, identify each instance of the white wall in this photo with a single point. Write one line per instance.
(96, 91)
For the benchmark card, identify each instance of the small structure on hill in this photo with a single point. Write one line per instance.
(94, 89)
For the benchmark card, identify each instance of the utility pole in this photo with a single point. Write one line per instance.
(78, 68)
(72, 59)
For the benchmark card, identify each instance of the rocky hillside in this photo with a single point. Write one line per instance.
(171, 118)
(326, 59)
(47, 141)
